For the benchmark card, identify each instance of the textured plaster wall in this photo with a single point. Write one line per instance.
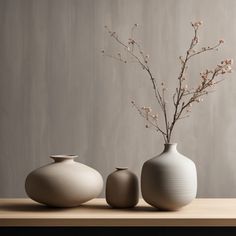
(59, 95)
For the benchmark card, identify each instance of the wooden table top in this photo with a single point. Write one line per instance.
(201, 212)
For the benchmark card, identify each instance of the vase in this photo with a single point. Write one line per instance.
(122, 190)
(63, 183)
(169, 180)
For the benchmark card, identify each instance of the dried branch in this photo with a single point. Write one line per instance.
(183, 98)
(152, 119)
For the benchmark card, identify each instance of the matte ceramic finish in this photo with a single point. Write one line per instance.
(169, 180)
(122, 189)
(64, 183)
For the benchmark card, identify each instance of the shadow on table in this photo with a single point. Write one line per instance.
(28, 207)
(134, 209)
(34, 207)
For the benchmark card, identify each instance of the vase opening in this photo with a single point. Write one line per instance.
(121, 168)
(63, 157)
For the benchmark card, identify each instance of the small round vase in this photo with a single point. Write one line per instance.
(122, 189)
(63, 183)
(169, 180)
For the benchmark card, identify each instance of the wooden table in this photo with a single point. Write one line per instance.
(201, 212)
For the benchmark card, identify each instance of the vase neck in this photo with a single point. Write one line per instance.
(170, 147)
(63, 158)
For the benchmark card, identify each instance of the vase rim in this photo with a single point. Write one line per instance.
(170, 144)
(121, 168)
(63, 156)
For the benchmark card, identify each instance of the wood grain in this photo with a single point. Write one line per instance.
(201, 212)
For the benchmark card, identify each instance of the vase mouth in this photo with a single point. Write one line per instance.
(121, 168)
(63, 157)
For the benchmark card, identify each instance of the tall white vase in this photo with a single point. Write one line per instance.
(169, 180)
(63, 183)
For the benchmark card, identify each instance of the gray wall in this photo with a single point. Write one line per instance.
(59, 95)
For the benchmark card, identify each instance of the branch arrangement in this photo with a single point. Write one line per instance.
(183, 97)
